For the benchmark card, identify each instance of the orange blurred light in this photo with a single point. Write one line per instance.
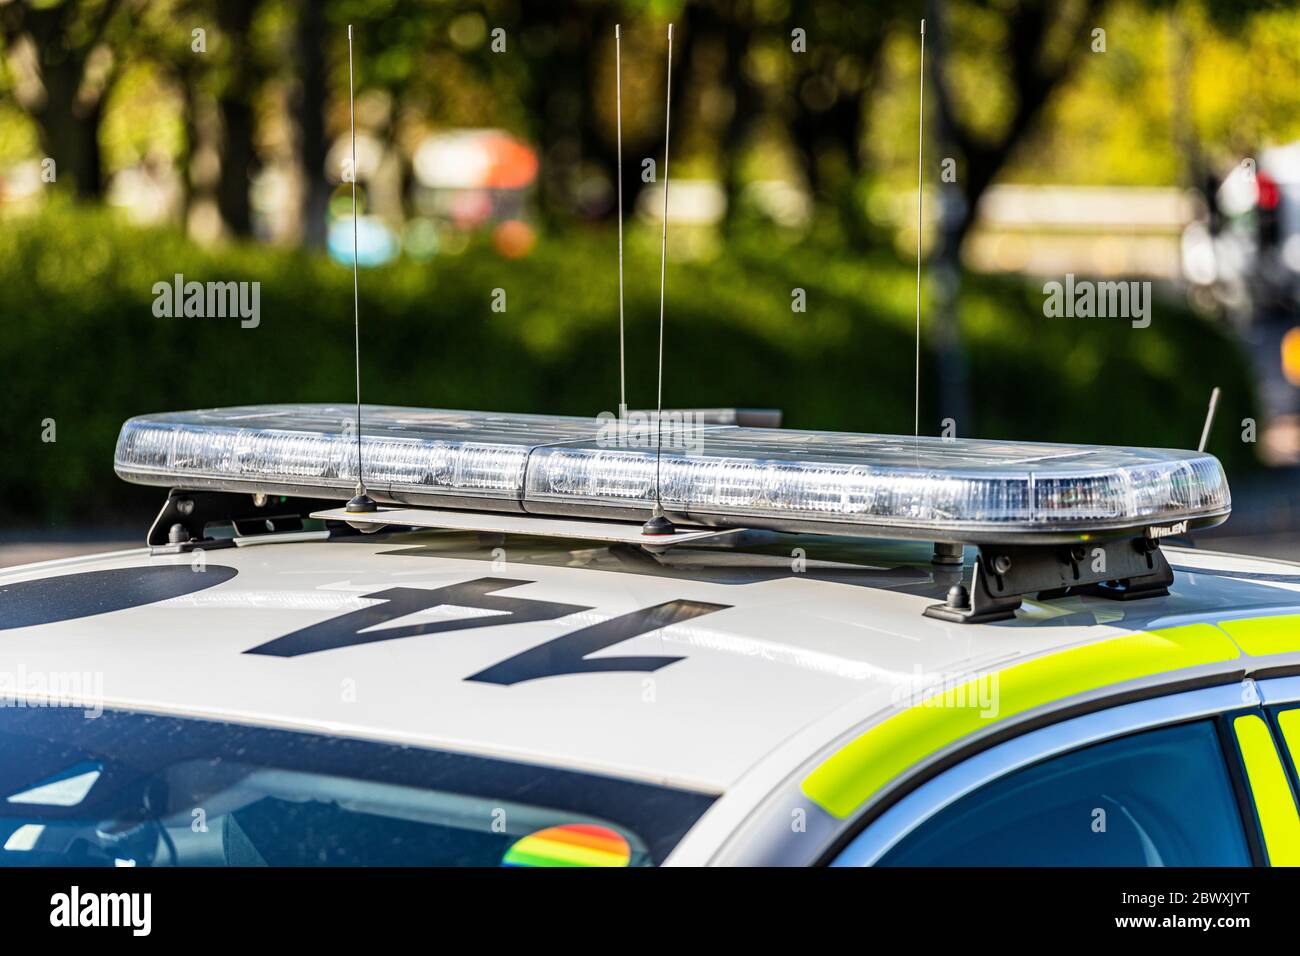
(513, 239)
(1291, 356)
(513, 164)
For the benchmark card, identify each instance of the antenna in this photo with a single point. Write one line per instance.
(1209, 418)
(920, 149)
(618, 101)
(659, 523)
(361, 503)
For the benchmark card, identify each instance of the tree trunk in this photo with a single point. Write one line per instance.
(186, 80)
(1033, 76)
(235, 106)
(309, 112)
(69, 132)
(952, 391)
(67, 115)
(747, 103)
(238, 162)
(826, 133)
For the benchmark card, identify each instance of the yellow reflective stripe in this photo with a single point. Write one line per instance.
(1258, 636)
(859, 769)
(1289, 721)
(1274, 803)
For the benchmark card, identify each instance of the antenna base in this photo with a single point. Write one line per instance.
(658, 525)
(362, 504)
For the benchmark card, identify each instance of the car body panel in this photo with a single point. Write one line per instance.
(810, 642)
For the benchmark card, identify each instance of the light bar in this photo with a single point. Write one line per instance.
(959, 490)
(409, 455)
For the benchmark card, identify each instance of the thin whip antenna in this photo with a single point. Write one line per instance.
(1209, 418)
(659, 523)
(361, 502)
(920, 151)
(618, 101)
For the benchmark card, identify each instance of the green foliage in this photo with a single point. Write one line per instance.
(1115, 118)
(82, 346)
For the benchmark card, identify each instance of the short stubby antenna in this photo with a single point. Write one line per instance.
(1209, 419)
(659, 523)
(361, 502)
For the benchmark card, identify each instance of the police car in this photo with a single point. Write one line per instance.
(828, 649)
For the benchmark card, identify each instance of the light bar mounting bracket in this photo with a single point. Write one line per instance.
(1120, 569)
(183, 521)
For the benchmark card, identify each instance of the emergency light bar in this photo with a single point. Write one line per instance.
(411, 455)
(944, 490)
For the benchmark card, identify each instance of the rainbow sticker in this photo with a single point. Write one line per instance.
(573, 844)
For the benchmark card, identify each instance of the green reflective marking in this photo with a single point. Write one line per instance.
(859, 769)
(1289, 721)
(1274, 803)
(1259, 636)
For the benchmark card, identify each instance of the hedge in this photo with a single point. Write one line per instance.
(82, 346)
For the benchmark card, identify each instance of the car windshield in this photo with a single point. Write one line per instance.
(131, 789)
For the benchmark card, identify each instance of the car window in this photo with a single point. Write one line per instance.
(127, 789)
(1288, 722)
(1157, 798)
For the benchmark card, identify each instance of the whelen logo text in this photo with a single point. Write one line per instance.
(1164, 531)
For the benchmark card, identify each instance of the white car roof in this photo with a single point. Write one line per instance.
(790, 661)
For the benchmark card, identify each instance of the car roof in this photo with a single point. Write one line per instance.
(803, 639)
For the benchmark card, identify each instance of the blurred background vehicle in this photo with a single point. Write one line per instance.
(1246, 249)
(1242, 257)
(1106, 139)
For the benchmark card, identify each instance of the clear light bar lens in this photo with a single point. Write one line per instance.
(720, 474)
(1052, 492)
(313, 449)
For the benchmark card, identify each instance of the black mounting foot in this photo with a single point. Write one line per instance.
(976, 606)
(1120, 569)
(947, 554)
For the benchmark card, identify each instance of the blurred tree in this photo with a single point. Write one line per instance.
(62, 47)
(562, 41)
(163, 36)
(1025, 73)
(239, 159)
(746, 101)
(308, 104)
(762, 89)
(828, 93)
(1043, 43)
(728, 32)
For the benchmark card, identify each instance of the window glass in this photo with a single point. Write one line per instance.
(126, 789)
(1157, 798)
